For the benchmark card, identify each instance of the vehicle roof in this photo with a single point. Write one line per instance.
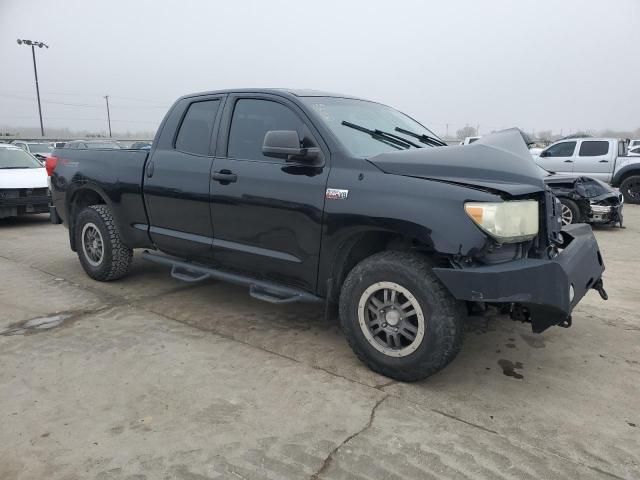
(9, 145)
(588, 139)
(276, 91)
(30, 142)
(92, 141)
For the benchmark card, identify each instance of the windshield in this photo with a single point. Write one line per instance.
(39, 148)
(372, 116)
(17, 158)
(103, 145)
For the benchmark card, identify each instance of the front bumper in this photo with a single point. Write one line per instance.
(14, 202)
(606, 214)
(548, 289)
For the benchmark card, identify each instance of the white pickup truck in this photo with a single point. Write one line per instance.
(602, 158)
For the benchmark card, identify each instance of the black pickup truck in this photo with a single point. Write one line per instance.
(308, 196)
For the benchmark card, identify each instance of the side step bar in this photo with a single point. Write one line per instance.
(259, 289)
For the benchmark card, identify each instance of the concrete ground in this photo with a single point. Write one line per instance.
(149, 378)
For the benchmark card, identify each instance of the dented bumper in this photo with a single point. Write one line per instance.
(548, 289)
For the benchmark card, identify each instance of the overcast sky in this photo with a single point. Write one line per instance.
(536, 64)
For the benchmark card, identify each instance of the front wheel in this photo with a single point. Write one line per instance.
(630, 189)
(570, 213)
(101, 252)
(398, 318)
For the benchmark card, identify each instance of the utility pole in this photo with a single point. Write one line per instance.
(106, 97)
(447, 135)
(33, 44)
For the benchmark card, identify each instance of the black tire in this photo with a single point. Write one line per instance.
(443, 315)
(576, 217)
(630, 188)
(116, 258)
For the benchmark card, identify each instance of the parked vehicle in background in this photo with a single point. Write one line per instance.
(535, 151)
(57, 144)
(634, 144)
(141, 146)
(634, 152)
(281, 191)
(585, 199)
(469, 140)
(38, 149)
(23, 183)
(606, 159)
(93, 145)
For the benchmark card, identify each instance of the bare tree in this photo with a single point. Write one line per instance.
(465, 132)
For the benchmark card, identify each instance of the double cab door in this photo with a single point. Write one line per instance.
(267, 212)
(212, 196)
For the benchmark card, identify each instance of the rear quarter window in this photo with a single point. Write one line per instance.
(194, 135)
(594, 148)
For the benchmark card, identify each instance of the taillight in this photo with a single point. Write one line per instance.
(50, 164)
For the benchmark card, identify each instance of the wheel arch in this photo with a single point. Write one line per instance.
(80, 198)
(354, 248)
(624, 173)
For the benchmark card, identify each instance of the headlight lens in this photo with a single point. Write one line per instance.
(507, 222)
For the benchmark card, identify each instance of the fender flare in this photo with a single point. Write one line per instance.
(624, 172)
(70, 201)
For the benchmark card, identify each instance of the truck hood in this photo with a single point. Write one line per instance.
(23, 178)
(500, 161)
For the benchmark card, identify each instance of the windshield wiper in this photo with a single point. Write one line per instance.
(11, 168)
(385, 137)
(427, 139)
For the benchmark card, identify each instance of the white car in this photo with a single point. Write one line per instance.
(633, 144)
(23, 183)
(634, 152)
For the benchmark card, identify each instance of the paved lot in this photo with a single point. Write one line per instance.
(148, 378)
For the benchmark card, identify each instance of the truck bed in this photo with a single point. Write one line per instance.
(115, 174)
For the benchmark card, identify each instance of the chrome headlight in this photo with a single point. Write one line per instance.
(507, 222)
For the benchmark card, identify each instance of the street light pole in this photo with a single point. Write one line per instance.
(33, 44)
(106, 97)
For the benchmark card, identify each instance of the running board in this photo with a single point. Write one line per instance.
(259, 289)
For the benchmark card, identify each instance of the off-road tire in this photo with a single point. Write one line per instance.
(575, 210)
(117, 257)
(626, 185)
(444, 316)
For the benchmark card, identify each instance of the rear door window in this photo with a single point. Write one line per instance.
(595, 148)
(194, 135)
(564, 149)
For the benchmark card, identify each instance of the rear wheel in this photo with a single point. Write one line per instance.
(101, 252)
(570, 211)
(630, 189)
(398, 318)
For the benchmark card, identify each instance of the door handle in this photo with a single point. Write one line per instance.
(603, 161)
(224, 177)
(568, 161)
(150, 169)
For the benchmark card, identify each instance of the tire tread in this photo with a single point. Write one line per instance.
(449, 326)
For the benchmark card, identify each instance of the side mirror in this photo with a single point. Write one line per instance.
(543, 154)
(286, 144)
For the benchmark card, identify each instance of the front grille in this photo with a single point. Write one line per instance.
(552, 211)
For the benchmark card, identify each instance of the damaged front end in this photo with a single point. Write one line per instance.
(606, 209)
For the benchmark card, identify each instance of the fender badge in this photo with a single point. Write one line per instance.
(336, 194)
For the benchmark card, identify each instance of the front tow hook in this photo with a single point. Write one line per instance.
(599, 286)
